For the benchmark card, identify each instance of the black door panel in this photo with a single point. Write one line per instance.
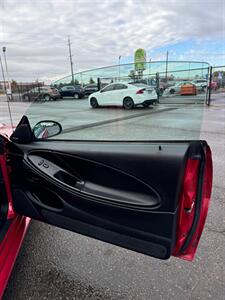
(159, 166)
(122, 193)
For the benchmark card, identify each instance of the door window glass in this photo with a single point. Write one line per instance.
(120, 86)
(155, 107)
(108, 88)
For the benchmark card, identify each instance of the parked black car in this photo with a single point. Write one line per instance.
(75, 91)
(90, 88)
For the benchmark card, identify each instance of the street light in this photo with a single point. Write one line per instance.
(7, 72)
(119, 66)
(189, 69)
(7, 95)
(149, 69)
(167, 58)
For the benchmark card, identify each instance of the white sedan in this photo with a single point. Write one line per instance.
(127, 95)
(176, 88)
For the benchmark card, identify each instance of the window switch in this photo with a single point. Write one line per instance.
(41, 162)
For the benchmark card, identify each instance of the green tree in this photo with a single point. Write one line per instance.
(14, 85)
(216, 73)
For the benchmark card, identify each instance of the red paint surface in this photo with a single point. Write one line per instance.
(10, 245)
(9, 248)
(186, 201)
(187, 197)
(5, 130)
(5, 174)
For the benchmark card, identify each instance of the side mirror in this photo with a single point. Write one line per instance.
(46, 129)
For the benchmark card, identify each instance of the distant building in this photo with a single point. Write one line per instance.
(20, 86)
(3, 85)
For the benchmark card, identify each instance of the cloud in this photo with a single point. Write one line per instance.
(35, 31)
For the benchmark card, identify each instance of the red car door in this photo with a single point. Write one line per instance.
(150, 197)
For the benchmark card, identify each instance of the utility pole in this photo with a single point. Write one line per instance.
(71, 61)
(167, 56)
(7, 96)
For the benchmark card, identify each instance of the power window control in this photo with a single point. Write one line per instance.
(41, 162)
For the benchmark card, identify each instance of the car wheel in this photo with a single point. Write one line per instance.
(145, 105)
(172, 91)
(76, 96)
(47, 97)
(94, 102)
(128, 103)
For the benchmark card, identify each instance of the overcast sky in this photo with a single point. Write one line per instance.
(35, 33)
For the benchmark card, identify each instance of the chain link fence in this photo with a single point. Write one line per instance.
(216, 83)
(19, 90)
(169, 78)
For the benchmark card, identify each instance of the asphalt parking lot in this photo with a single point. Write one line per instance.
(57, 264)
